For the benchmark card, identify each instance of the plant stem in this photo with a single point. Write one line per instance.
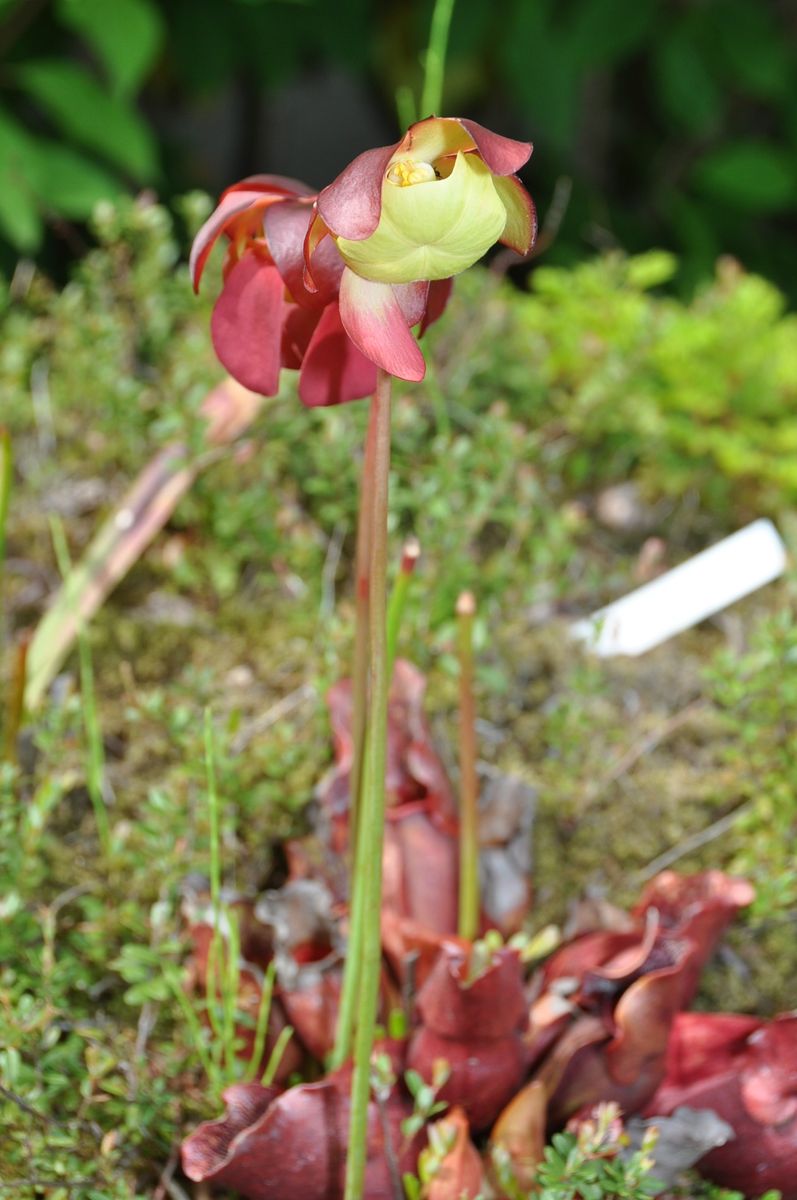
(398, 598)
(359, 679)
(468, 811)
(435, 61)
(351, 978)
(372, 818)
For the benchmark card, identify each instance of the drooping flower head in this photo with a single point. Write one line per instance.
(407, 217)
(332, 285)
(265, 317)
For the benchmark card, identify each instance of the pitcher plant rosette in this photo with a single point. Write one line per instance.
(332, 285)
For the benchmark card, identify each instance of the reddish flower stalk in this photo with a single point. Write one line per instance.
(365, 956)
(468, 782)
(362, 602)
(398, 597)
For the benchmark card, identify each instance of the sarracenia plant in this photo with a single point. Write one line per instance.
(332, 285)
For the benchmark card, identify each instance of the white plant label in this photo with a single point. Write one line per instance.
(696, 589)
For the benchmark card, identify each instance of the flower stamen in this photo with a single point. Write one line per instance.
(406, 172)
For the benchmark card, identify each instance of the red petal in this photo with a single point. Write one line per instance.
(254, 190)
(439, 293)
(279, 184)
(231, 204)
(334, 370)
(352, 204)
(285, 225)
(246, 325)
(412, 298)
(504, 156)
(297, 330)
(520, 230)
(376, 324)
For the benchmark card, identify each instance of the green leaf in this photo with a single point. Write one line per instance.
(68, 183)
(688, 93)
(540, 64)
(752, 175)
(126, 35)
(758, 55)
(20, 221)
(605, 31)
(84, 111)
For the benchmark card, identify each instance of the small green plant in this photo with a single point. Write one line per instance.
(589, 1165)
(425, 1104)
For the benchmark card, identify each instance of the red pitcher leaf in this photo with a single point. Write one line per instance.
(311, 1007)
(643, 1019)
(591, 913)
(490, 1006)
(414, 770)
(484, 1072)
(293, 1146)
(520, 1132)
(412, 949)
(459, 1175)
(626, 1063)
(506, 817)
(586, 953)
(699, 907)
(421, 850)
(474, 1025)
(749, 1079)
(210, 1148)
(420, 869)
(702, 1044)
(549, 1016)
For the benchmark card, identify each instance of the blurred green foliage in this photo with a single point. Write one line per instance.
(676, 122)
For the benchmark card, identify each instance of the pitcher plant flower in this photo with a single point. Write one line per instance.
(406, 218)
(265, 317)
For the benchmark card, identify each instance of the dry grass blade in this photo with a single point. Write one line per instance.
(124, 537)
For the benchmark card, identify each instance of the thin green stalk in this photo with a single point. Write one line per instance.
(359, 676)
(275, 1058)
(435, 60)
(398, 598)
(468, 807)
(350, 991)
(95, 767)
(344, 1033)
(261, 1025)
(215, 975)
(230, 978)
(193, 1023)
(372, 816)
